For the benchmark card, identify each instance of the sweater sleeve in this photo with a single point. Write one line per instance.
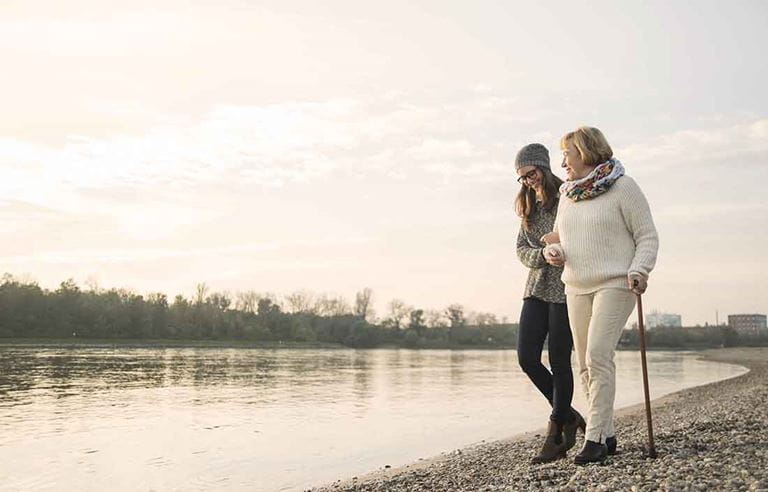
(530, 257)
(638, 219)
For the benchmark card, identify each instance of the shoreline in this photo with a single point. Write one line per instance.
(709, 437)
(207, 343)
(263, 344)
(159, 343)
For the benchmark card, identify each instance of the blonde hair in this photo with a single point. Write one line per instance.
(591, 144)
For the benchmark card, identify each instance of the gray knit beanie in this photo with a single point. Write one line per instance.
(533, 154)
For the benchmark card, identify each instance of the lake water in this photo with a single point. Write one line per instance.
(254, 419)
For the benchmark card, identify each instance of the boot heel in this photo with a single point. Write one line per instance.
(572, 428)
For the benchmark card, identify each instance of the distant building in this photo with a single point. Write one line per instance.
(748, 324)
(652, 320)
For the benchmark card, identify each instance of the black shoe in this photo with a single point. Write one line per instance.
(592, 452)
(610, 443)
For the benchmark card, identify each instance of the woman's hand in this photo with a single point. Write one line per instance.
(558, 262)
(554, 255)
(638, 282)
(550, 238)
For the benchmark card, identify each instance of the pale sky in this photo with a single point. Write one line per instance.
(337, 145)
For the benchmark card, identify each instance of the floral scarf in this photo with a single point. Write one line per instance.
(595, 183)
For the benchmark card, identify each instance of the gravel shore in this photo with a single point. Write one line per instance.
(712, 437)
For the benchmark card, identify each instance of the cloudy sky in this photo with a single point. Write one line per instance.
(337, 145)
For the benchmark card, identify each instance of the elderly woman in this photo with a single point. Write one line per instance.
(544, 315)
(605, 238)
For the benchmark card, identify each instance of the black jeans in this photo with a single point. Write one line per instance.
(537, 320)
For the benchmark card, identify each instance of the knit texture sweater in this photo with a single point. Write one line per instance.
(606, 237)
(543, 279)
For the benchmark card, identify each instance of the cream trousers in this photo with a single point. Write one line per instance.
(597, 320)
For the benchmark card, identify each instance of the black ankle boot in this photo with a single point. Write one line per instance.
(610, 443)
(592, 452)
(570, 428)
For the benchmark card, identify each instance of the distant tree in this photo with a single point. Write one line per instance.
(417, 323)
(363, 303)
(140, 320)
(398, 313)
(456, 320)
(220, 300)
(435, 318)
(455, 315)
(485, 319)
(332, 306)
(92, 282)
(247, 301)
(411, 339)
(301, 301)
(267, 307)
(68, 287)
(158, 312)
(201, 292)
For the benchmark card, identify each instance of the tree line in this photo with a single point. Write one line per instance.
(29, 311)
(691, 337)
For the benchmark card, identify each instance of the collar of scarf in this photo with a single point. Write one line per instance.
(595, 183)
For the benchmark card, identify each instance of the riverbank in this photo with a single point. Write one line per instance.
(712, 437)
(75, 342)
(160, 343)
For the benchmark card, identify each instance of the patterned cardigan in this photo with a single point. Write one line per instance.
(543, 279)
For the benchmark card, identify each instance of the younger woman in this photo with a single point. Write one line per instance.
(544, 311)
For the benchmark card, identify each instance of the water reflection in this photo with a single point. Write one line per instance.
(31, 374)
(155, 418)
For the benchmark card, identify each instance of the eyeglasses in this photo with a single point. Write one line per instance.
(527, 176)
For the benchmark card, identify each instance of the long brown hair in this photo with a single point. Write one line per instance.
(525, 203)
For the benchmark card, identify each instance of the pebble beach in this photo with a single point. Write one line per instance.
(712, 437)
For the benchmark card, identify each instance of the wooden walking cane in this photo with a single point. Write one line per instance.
(641, 328)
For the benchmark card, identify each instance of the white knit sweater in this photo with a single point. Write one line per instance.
(606, 237)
